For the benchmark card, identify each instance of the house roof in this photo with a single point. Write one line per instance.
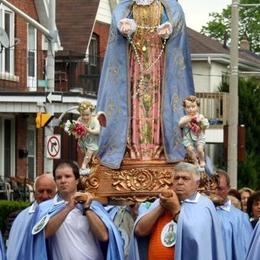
(75, 21)
(201, 44)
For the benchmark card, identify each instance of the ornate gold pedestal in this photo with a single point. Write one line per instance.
(135, 181)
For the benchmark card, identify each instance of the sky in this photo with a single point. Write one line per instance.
(197, 11)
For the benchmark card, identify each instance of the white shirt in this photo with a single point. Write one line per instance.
(74, 239)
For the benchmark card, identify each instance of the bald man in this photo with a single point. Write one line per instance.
(21, 236)
(44, 188)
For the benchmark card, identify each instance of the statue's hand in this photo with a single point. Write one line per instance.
(127, 26)
(165, 30)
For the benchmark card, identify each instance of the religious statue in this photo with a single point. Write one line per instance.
(146, 75)
(193, 127)
(86, 130)
(89, 142)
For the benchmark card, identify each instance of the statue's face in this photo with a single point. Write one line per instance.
(191, 108)
(86, 114)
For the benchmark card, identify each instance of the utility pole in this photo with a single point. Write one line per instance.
(50, 70)
(233, 94)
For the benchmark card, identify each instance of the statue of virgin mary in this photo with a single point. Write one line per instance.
(146, 74)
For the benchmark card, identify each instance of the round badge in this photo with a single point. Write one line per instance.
(168, 234)
(41, 224)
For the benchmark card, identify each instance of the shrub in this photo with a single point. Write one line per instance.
(7, 207)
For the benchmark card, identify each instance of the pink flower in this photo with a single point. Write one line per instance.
(75, 128)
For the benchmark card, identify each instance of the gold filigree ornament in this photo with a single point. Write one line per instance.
(141, 179)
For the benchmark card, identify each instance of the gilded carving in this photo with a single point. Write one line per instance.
(141, 179)
(90, 182)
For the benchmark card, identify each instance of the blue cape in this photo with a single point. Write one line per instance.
(198, 233)
(237, 232)
(254, 247)
(114, 89)
(21, 240)
(2, 247)
(115, 244)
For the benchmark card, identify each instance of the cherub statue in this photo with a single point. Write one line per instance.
(193, 127)
(89, 142)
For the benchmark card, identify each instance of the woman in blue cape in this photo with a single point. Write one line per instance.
(146, 75)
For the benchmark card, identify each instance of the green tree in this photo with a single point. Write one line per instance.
(249, 23)
(249, 114)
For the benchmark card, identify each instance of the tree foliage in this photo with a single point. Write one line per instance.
(249, 114)
(219, 27)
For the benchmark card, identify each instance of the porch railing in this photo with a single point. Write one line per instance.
(214, 106)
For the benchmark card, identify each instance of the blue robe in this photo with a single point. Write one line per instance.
(114, 89)
(21, 240)
(124, 221)
(2, 247)
(198, 232)
(236, 229)
(254, 247)
(52, 207)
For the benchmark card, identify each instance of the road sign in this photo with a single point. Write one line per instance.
(53, 146)
(54, 97)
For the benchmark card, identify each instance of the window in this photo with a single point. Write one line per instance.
(93, 51)
(7, 54)
(32, 58)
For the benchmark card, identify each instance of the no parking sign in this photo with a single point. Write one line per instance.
(53, 146)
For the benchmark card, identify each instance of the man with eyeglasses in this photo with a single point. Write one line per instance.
(196, 226)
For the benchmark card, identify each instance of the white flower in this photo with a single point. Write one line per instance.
(67, 127)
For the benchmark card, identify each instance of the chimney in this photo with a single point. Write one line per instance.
(244, 43)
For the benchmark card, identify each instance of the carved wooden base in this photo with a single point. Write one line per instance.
(135, 181)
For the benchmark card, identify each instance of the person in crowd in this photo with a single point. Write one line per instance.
(73, 224)
(253, 208)
(254, 248)
(235, 198)
(236, 228)
(196, 228)
(193, 126)
(234, 201)
(245, 193)
(20, 237)
(136, 88)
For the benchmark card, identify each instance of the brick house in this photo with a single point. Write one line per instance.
(23, 87)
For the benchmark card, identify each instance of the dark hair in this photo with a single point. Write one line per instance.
(70, 164)
(235, 193)
(253, 198)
